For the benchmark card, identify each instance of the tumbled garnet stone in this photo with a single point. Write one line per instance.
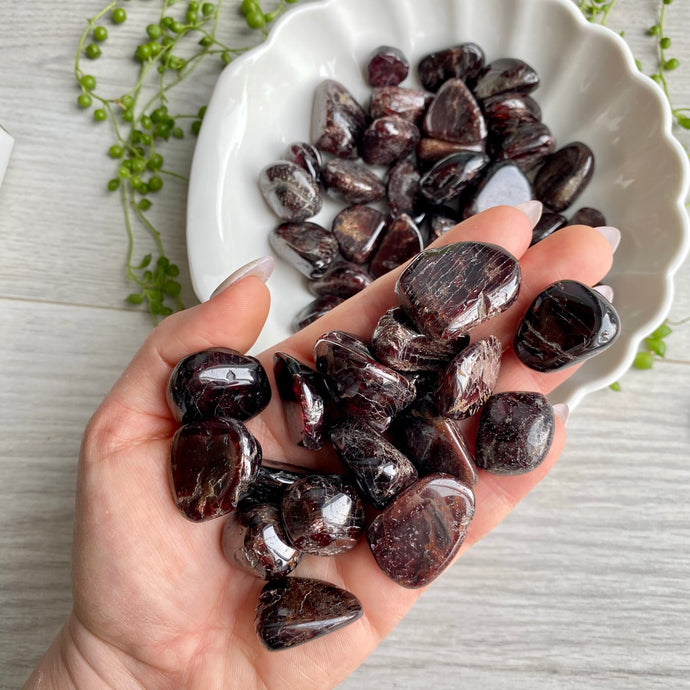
(509, 110)
(358, 229)
(342, 279)
(455, 116)
(401, 241)
(270, 482)
(309, 247)
(295, 610)
(387, 139)
(515, 433)
(402, 189)
(322, 514)
(306, 156)
(588, 216)
(527, 145)
(212, 464)
(314, 310)
(380, 470)
(217, 382)
(567, 323)
(254, 541)
(352, 182)
(503, 75)
(290, 191)
(416, 537)
(459, 62)
(395, 100)
(387, 66)
(564, 175)
(547, 225)
(448, 291)
(451, 175)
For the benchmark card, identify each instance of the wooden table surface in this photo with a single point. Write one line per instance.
(585, 585)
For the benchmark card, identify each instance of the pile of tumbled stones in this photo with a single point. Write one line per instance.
(470, 139)
(391, 408)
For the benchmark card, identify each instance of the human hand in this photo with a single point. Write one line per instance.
(155, 602)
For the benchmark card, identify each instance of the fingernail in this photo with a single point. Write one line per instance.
(612, 235)
(532, 209)
(605, 291)
(260, 268)
(562, 411)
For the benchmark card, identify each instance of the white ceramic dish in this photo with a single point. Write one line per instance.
(590, 90)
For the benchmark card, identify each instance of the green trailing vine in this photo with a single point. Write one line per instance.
(179, 37)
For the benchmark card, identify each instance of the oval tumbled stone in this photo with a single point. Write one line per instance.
(515, 433)
(309, 247)
(418, 535)
(290, 191)
(564, 175)
(567, 323)
(448, 291)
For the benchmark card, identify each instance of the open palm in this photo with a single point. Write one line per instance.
(155, 602)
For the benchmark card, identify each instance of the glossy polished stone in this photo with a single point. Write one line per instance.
(455, 116)
(212, 464)
(504, 75)
(295, 610)
(469, 379)
(402, 190)
(409, 104)
(449, 290)
(362, 387)
(451, 175)
(440, 222)
(290, 191)
(566, 323)
(217, 382)
(387, 139)
(309, 247)
(431, 151)
(387, 66)
(322, 514)
(588, 216)
(504, 184)
(398, 345)
(435, 444)
(564, 175)
(416, 537)
(459, 62)
(337, 121)
(271, 480)
(306, 156)
(515, 433)
(380, 470)
(528, 145)
(303, 393)
(509, 110)
(342, 279)
(358, 230)
(547, 225)
(400, 242)
(315, 310)
(254, 541)
(352, 182)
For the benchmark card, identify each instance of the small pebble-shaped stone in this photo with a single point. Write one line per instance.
(352, 182)
(547, 225)
(410, 104)
(567, 323)
(212, 464)
(290, 191)
(510, 110)
(588, 216)
(361, 386)
(217, 382)
(380, 470)
(307, 246)
(295, 610)
(416, 537)
(322, 514)
(515, 433)
(254, 541)
(337, 121)
(306, 156)
(271, 480)
(451, 175)
(315, 310)
(504, 75)
(387, 66)
(469, 379)
(387, 139)
(358, 229)
(564, 175)
(402, 190)
(504, 184)
(440, 222)
(459, 62)
(448, 291)
(397, 344)
(430, 151)
(455, 116)
(401, 241)
(343, 279)
(302, 392)
(528, 145)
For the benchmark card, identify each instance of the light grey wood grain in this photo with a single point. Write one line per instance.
(586, 585)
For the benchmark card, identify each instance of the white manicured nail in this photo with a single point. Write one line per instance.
(605, 291)
(259, 268)
(563, 411)
(612, 235)
(532, 209)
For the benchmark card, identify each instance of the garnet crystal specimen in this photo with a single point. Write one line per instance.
(564, 175)
(294, 610)
(448, 291)
(416, 537)
(309, 247)
(567, 323)
(322, 514)
(387, 66)
(290, 191)
(515, 433)
(212, 464)
(217, 382)
(380, 470)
